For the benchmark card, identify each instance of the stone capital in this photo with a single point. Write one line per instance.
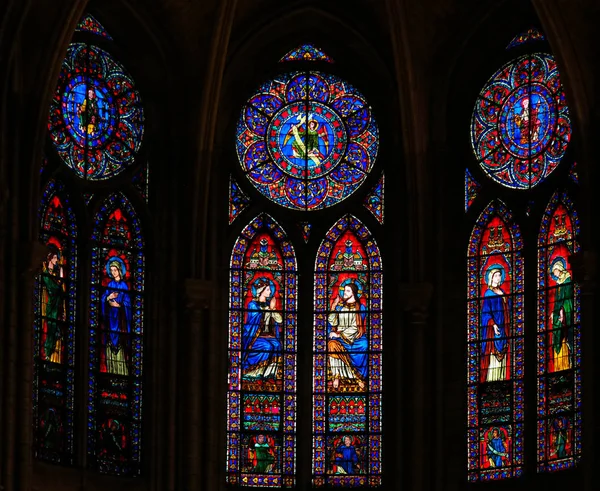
(415, 298)
(198, 294)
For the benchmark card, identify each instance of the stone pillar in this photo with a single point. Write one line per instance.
(193, 416)
(415, 299)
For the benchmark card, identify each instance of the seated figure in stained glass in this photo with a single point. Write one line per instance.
(261, 334)
(347, 344)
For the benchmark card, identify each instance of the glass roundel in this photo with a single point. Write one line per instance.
(307, 140)
(96, 117)
(520, 127)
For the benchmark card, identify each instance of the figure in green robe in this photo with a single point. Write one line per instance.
(562, 316)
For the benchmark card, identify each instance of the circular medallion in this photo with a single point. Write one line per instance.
(520, 127)
(96, 118)
(307, 140)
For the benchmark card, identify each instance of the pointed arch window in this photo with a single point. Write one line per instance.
(95, 128)
(306, 141)
(347, 376)
(55, 313)
(520, 135)
(559, 338)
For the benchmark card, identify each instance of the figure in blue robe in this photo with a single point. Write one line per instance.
(345, 458)
(495, 318)
(117, 315)
(496, 450)
(261, 333)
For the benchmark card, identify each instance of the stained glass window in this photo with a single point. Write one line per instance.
(573, 174)
(238, 200)
(305, 229)
(307, 140)
(96, 118)
(559, 339)
(520, 126)
(54, 331)
(89, 24)
(141, 180)
(306, 52)
(115, 332)
(374, 201)
(347, 376)
(495, 346)
(472, 188)
(261, 407)
(530, 35)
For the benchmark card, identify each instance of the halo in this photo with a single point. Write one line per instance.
(271, 285)
(121, 263)
(347, 281)
(492, 267)
(560, 260)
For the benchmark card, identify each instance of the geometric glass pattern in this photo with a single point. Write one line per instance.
(520, 127)
(495, 347)
(559, 339)
(307, 140)
(305, 229)
(472, 188)
(54, 330)
(573, 174)
(96, 119)
(90, 24)
(116, 348)
(238, 201)
(347, 373)
(261, 404)
(532, 34)
(306, 52)
(374, 201)
(141, 181)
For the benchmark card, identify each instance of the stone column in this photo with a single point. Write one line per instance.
(193, 382)
(415, 299)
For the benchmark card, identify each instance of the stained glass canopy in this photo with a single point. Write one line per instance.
(96, 118)
(520, 128)
(307, 140)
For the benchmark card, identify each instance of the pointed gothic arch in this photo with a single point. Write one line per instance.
(261, 414)
(495, 337)
(559, 338)
(347, 356)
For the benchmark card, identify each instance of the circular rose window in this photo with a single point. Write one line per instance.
(520, 127)
(96, 118)
(307, 140)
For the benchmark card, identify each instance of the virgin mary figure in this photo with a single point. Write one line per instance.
(117, 315)
(261, 333)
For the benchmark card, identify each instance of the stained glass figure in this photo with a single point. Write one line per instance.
(559, 339)
(116, 330)
(54, 330)
(306, 52)
(307, 140)
(495, 347)
(374, 201)
(530, 35)
(520, 127)
(573, 174)
(142, 182)
(238, 200)
(96, 118)
(305, 229)
(472, 188)
(89, 24)
(261, 414)
(347, 380)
